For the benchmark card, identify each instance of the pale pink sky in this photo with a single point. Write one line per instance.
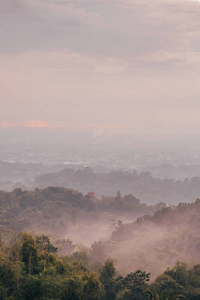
(131, 65)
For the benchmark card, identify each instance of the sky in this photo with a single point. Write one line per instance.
(130, 65)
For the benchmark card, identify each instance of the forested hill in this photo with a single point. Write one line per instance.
(64, 211)
(30, 269)
(142, 185)
(157, 241)
(136, 235)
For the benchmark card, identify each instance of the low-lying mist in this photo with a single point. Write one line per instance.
(152, 243)
(137, 236)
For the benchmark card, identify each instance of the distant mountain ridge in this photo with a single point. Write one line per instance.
(142, 185)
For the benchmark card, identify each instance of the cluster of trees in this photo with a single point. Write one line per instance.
(50, 210)
(31, 269)
(157, 241)
(159, 237)
(179, 282)
(57, 210)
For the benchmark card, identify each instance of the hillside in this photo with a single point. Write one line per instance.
(155, 242)
(136, 235)
(62, 212)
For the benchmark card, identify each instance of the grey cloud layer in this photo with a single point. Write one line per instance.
(125, 62)
(103, 27)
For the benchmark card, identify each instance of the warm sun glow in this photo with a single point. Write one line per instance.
(36, 123)
(29, 124)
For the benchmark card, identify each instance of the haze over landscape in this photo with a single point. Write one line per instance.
(99, 149)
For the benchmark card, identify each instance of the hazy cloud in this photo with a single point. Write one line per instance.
(111, 27)
(101, 62)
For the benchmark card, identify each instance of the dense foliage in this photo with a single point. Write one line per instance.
(153, 238)
(30, 269)
(57, 210)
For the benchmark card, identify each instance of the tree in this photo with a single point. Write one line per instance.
(7, 280)
(179, 273)
(97, 252)
(43, 243)
(93, 288)
(73, 288)
(107, 274)
(31, 287)
(28, 253)
(65, 247)
(135, 286)
(81, 254)
(166, 286)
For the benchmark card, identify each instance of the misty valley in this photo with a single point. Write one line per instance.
(89, 216)
(60, 240)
